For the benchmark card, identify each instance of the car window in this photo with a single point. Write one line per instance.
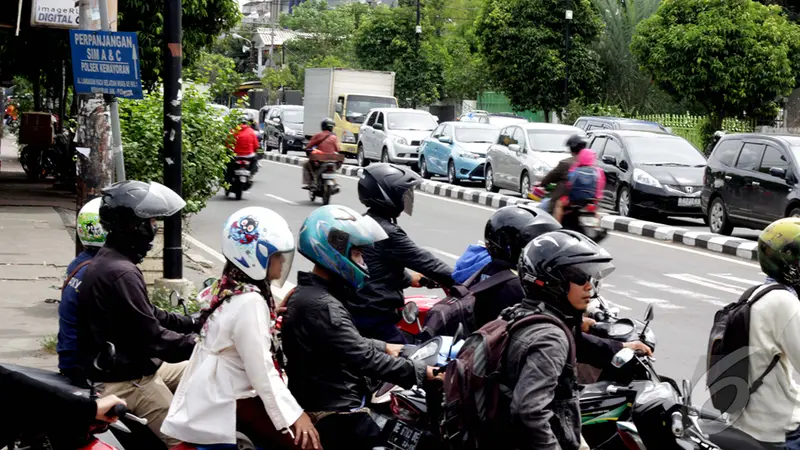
(438, 131)
(504, 138)
(518, 137)
(470, 135)
(417, 121)
(750, 156)
(371, 119)
(380, 118)
(448, 130)
(773, 158)
(598, 144)
(663, 150)
(727, 151)
(581, 124)
(594, 126)
(608, 126)
(613, 149)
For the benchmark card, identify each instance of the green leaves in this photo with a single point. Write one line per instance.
(205, 136)
(219, 72)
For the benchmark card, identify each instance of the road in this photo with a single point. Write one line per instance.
(688, 285)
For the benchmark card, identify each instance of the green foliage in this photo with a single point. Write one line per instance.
(733, 57)
(230, 46)
(329, 32)
(219, 72)
(205, 136)
(49, 344)
(160, 298)
(523, 44)
(274, 79)
(576, 109)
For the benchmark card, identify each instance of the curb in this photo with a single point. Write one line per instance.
(740, 248)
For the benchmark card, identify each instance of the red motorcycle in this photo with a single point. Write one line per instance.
(416, 309)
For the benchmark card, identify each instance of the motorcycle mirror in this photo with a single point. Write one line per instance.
(687, 393)
(208, 282)
(175, 298)
(649, 313)
(622, 357)
(410, 312)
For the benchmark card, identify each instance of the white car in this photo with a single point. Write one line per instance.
(393, 135)
(525, 153)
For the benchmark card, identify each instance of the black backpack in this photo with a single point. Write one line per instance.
(459, 308)
(728, 362)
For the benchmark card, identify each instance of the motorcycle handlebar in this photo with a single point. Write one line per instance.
(121, 411)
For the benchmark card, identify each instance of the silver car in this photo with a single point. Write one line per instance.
(394, 135)
(525, 153)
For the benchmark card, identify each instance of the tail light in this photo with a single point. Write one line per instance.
(591, 207)
(242, 162)
(404, 410)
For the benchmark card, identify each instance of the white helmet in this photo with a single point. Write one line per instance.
(251, 236)
(90, 232)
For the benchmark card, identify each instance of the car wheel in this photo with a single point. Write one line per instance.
(624, 203)
(524, 184)
(385, 156)
(362, 160)
(423, 169)
(490, 180)
(451, 173)
(281, 148)
(718, 221)
(795, 212)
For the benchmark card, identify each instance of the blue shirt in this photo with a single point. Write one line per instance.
(67, 346)
(470, 262)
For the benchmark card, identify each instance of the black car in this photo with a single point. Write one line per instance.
(283, 128)
(656, 173)
(594, 123)
(750, 181)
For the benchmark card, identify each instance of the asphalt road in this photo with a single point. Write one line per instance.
(687, 285)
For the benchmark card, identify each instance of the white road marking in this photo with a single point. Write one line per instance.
(282, 199)
(442, 252)
(684, 292)
(729, 277)
(684, 249)
(689, 278)
(634, 296)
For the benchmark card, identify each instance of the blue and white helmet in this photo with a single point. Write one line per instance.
(251, 236)
(328, 235)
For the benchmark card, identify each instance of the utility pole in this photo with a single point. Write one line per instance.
(95, 163)
(567, 41)
(173, 141)
(418, 31)
(273, 13)
(116, 133)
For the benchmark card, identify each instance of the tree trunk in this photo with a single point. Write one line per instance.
(547, 115)
(37, 91)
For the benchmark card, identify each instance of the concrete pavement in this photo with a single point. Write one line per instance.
(687, 285)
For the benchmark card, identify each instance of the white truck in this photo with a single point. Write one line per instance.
(346, 96)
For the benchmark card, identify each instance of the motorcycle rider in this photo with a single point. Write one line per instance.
(771, 414)
(233, 357)
(246, 145)
(328, 359)
(113, 306)
(92, 237)
(388, 190)
(323, 142)
(557, 271)
(559, 176)
(68, 414)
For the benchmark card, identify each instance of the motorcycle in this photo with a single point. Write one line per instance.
(240, 176)
(323, 171)
(584, 220)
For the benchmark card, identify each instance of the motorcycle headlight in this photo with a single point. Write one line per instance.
(640, 176)
(425, 351)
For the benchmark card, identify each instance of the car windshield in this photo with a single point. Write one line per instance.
(502, 121)
(293, 115)
(358, 106)
(796, 152)
(476, 135)
(411, 121)
(664, 150)
(549, 140)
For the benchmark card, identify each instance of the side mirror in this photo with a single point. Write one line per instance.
(445, 139)
(622, 357)
(687, 393)
(174, 299)
(339, 108)
(610, 160)
(378, 126)
(649, 313)
(208, 282)
(778, 172)
(623, 165)
(514, 148)
(410, 312)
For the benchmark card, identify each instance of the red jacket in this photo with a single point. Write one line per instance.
(246, 141)
(325, 142)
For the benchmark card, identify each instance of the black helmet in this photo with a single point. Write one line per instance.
(388, 189)
(551, 261)
(510, 229)
(576, 143)
(327, 124)
(127, 210)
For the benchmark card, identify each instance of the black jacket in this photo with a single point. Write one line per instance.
(113, 306)
(327, 359)
(559, 176)
(32, 406)
(387, 261)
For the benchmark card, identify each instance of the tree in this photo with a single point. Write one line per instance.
(274, 79)
(219, 72)
(523, 44)
(733, 57)
(327, 32)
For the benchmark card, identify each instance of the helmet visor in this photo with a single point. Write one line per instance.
(408, 201)
(583, 273)
(369, 232)
(160, 201)
(288, 259)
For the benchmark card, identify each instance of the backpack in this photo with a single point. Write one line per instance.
(459, 307)
(583, 184)
(474, 397)
(728, 362)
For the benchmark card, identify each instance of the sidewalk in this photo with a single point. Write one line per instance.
(35, 249)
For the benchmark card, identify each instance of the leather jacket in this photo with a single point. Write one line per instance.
(327, 359)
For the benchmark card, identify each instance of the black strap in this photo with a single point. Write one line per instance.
(760, 380)
(492, 281)
(75, 272)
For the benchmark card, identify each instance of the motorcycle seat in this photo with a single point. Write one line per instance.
(49, 378)
(728, 437)
(326, 157)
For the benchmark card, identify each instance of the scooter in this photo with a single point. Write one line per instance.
(240, 176)
(584, 220)
(324, 176)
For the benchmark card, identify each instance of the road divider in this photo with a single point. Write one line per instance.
(740, 248)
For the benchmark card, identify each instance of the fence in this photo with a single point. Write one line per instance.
(690, 127)
(495, 102)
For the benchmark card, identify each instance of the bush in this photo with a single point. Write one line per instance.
(205, 139)
(576, 109)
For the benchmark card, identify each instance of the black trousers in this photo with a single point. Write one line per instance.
(355, 431)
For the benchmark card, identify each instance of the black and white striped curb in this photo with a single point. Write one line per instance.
(741, 248)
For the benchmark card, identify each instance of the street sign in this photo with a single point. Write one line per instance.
(65, 14)
(105, 62)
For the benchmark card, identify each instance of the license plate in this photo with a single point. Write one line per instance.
(404, 437)
(688, 201)
(243, 172)
(589, 221)
(243, 179)
(328, 176)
